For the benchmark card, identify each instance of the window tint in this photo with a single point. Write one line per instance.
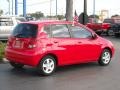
(60, 31)
(79, 32)
(25, 30)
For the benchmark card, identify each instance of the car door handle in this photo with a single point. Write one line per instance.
(79, 42)
(55, 42)
(49, 44)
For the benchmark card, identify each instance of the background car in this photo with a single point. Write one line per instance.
(112, 26)
(7, 23)
(48, 44)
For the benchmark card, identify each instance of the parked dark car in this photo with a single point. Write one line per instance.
(113, 26)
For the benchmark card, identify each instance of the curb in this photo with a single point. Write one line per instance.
(4, 60)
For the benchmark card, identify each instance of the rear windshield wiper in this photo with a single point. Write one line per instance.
(19, 35)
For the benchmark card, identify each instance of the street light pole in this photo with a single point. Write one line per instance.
(94, 8)
(56, 9)
(50, 7)
(8, 6)
(16, 7)
(12, 7)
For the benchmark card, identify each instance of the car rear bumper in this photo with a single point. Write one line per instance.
(31, 59)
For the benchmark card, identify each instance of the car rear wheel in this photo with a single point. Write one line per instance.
(47, 66)
(105, 57)
(16, 65)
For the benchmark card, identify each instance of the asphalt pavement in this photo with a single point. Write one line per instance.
(76, 77)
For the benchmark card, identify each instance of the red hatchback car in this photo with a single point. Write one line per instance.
(48, 44)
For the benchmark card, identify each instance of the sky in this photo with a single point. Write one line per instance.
(44, 6)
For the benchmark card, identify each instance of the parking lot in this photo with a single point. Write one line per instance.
(76, 77)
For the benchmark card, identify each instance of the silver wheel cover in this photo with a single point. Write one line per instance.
(48, 65)
(106, 57)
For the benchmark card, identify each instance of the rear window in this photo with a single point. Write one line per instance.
(25, 30)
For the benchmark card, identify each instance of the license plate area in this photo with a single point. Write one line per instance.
(18, 44)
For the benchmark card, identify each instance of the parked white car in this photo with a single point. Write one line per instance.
(7, 23)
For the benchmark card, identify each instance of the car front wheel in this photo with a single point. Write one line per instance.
(105, 57)
(117, 34)
(47, 66)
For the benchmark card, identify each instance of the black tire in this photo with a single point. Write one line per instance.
(50, 67)
(117, 35)
(107, 33)
(102, 61)
(16, 65)
(110, 32)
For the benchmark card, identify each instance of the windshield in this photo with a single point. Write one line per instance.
(25, 30)
(108, 21)
(117, 20)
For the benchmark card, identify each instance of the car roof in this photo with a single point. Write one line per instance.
(48, 22)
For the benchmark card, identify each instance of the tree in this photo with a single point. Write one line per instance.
(69, 10)
(94, 16)
(36, 15)
(1, 12)
(116, 15)
(59, 17)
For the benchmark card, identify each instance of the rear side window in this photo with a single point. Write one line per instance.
(25, 30)
(60, 31)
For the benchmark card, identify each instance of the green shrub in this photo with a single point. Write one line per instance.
(2, 50)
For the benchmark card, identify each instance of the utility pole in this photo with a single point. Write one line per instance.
(85, 6)
(69, 10)
(85, 17)
(16, 7)
(24, 8)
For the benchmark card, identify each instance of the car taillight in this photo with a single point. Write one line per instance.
(32, 44)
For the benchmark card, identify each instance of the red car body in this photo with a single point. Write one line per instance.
(96, 27)
(106, 26)
(68, 50)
